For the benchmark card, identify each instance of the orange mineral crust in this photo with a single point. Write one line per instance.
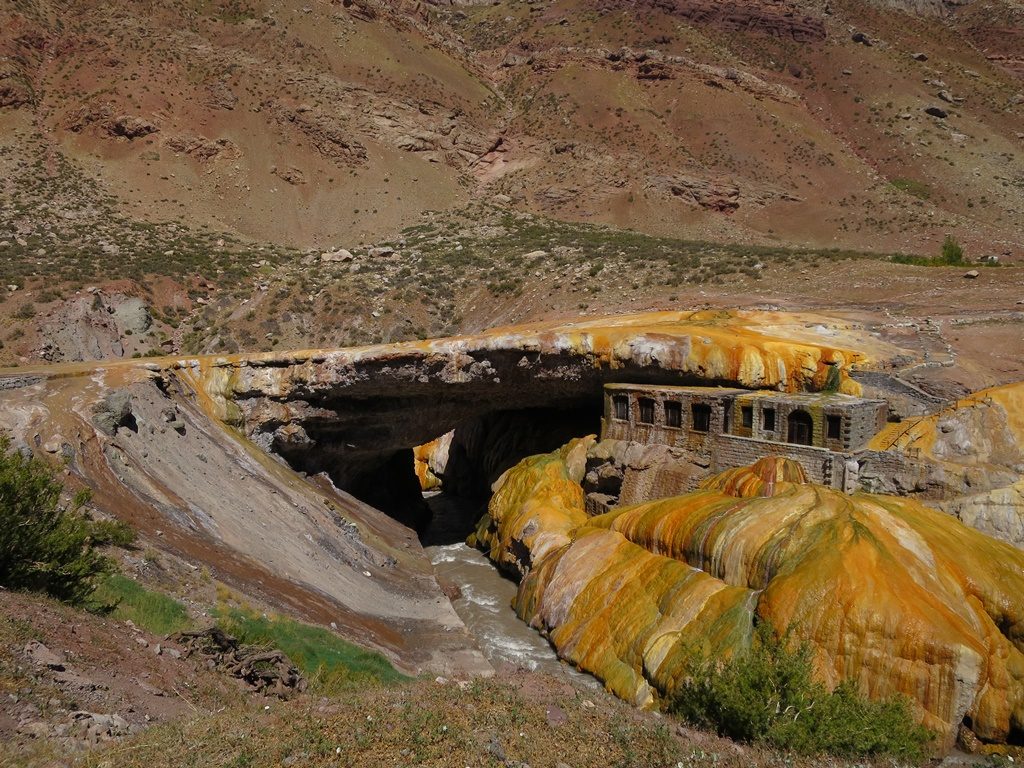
(898, 597)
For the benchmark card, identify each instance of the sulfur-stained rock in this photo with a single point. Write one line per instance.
(898, 597)
(431, 459)
(968, 458)
(536, 505)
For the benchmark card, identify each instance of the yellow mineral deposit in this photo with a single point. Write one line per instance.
(708, 345)
(898, 597)
(422, 455)
(1004, 406)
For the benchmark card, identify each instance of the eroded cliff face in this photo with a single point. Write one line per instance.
(967, 459)
(894, 595)
(151, 456)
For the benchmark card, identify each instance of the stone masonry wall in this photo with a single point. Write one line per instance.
(822, 466)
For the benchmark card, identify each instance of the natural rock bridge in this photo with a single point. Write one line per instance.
(355, 414)
(163, 444)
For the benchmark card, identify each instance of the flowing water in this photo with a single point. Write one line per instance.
(485, 603)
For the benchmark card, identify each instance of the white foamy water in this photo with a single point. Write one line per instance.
(485, 606)
(485, 603)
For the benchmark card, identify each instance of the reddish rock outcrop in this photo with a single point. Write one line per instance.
(767, 17)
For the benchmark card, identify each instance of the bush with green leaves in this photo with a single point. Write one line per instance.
(768, 695)
(45, 545)
(952, 252)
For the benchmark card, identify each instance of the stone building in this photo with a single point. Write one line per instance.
(725, 428)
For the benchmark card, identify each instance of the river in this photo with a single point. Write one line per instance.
(485, 605)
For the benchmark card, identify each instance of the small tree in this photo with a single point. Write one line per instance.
(45, 546)
(952, 252)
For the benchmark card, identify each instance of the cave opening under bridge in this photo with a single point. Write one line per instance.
(360, 428)
(479, 450)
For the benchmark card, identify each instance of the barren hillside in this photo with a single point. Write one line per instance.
(223, 174)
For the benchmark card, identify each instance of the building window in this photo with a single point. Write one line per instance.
(835, 427)
(747, 416)
(768, 419)
(673, 415)
(701, 413)
(620, 405)
(646, 410)
(801, 428)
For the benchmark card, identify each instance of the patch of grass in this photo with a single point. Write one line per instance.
(917, 189)
(331, 663)
(487, 723)
(768, 695)
(125, 599)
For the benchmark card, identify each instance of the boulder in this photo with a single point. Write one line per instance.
(935, 111)
(113, 411)
(130, 127)
(337, 256)
(133, 315)
(42, 656)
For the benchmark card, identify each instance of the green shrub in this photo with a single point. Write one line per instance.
(125, 599)
(952, 252)
(114, 533)
(768, 695)
(45, 546)
(331, 664)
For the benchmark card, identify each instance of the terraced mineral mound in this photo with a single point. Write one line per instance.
(891, 594)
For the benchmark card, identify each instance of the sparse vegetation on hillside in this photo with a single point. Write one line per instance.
(952, 251)
(480, 723)
(768, 695)
(950, 255)
(75, 233)
(911, 187)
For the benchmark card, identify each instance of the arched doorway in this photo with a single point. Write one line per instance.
(801, 428)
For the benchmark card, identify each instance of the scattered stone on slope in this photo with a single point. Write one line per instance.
(202, 149)
(337, 256)
(719, 195)
(767, 17)
(42, 656)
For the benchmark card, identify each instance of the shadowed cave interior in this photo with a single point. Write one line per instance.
(482, 448)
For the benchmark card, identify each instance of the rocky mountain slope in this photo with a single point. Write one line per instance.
(328, 123)
(302, 157)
